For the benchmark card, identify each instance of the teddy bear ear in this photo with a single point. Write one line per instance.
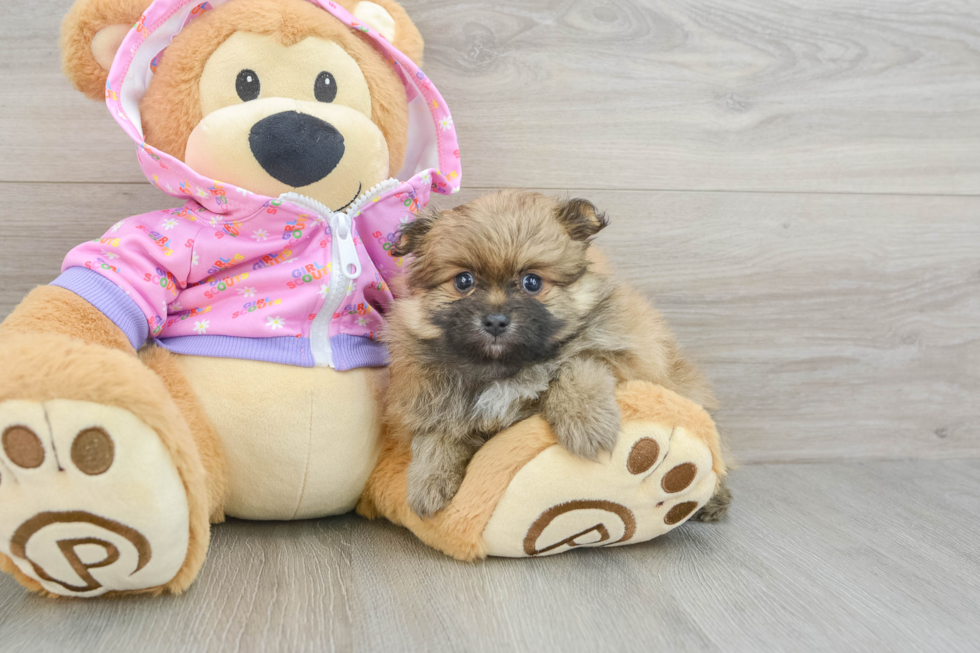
(581, 219)
(90, 35)
(391, 21)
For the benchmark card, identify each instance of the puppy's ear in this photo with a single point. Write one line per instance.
(580, 219)
(411, 235)
(90, 35)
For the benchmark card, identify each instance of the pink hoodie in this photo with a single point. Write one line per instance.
(239, 275)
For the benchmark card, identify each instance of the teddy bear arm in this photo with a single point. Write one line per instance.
(52, 309)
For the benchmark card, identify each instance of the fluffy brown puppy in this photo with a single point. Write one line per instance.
(509, 312)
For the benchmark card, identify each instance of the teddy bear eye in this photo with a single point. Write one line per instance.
(325, 87)
(247, 85)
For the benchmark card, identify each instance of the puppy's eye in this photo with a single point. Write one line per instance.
(463, 281)
(531, 283)
(325, 87)
(247, 85)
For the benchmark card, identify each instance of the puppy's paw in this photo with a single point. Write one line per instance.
(581, 408)
(588, 430)
(717, 506)
(430, 493)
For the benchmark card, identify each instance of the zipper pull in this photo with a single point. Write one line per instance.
(350, 263)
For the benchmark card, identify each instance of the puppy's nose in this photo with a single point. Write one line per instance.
(495, 324)
(296, 148)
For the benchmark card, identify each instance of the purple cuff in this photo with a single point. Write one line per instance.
(357, 351)
(108, 298)
(283, 349)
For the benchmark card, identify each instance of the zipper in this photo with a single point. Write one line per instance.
(345, 265)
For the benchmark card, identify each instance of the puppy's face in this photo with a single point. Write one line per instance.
(503, 280)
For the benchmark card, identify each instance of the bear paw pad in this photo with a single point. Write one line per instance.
(657, 476)
(90, 499)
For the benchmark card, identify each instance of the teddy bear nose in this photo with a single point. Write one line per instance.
(296, 148)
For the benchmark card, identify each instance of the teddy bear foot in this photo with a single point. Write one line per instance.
(658, 475)
(90, 500)
(526, 496)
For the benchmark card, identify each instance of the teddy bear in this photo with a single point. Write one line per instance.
(221, 358)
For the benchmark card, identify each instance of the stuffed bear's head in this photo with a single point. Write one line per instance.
(269, 95)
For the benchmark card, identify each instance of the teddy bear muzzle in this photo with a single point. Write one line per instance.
(272, 146)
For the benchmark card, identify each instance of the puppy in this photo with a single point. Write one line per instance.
(508, 312)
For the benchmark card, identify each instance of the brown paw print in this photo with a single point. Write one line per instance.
(90, 499)
(655, 479)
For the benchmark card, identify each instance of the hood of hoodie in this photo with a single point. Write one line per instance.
(432, 152)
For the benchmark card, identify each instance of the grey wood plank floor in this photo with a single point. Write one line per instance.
(843, 556)
(836, 95)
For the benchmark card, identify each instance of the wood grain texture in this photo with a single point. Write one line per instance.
(265, 586)
(832, 326)
(48, 131)
(855, 557)
(840, 95)
(836, 323)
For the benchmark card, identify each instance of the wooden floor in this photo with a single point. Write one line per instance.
(841, 557)
(795, 184)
